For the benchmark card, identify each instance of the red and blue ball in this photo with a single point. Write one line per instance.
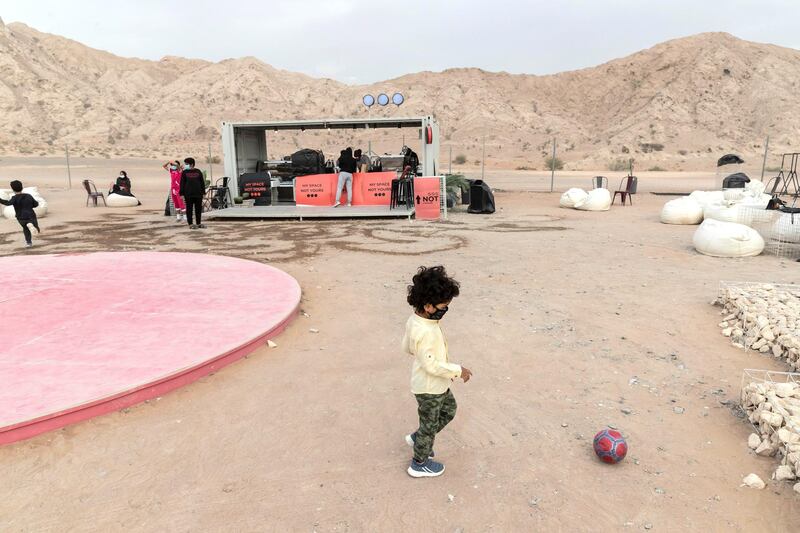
(610, 446)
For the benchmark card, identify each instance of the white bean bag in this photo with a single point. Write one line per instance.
(5, 194)
(707, 197)
(787, 228)
(573, 198)
(756, 200)
(727, 239)
(597, 200)
(41, 211)
(33, 191)
(119, 200)
(682, 210)
(722, 212)
(755, 187)
(733, 195)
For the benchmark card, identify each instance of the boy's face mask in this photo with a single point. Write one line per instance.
(173, 167)
(438, 314)
(186, 167)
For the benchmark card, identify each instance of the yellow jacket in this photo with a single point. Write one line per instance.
(431, 372)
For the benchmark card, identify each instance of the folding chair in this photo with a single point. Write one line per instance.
(627, 188)
(599, 182)
(91, 193)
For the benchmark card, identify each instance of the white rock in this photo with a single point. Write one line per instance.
(796, 488)
(765, 449)
(272, 344)
(784, 390)
(753, 441)
(773, 419)
(753, 481)
(784, 473)
(788, 437)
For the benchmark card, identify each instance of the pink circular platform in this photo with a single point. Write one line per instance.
(86, 334)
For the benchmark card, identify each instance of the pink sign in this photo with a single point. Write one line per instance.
(426, 198)
(317, 189)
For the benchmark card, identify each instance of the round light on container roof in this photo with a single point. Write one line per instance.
(397, 99)
(383, 99)
(368, 100)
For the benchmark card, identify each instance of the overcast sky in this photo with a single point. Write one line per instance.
(362, 41)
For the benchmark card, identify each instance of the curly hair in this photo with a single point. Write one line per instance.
(431, 285)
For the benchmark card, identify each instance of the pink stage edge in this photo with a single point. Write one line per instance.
(86, 334)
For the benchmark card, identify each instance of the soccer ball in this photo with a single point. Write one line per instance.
(610, 446)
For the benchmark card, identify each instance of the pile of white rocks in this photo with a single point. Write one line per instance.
(763, 317)
(774, 410)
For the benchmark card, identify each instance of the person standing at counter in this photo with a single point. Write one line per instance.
(347, 166)
(362, 161)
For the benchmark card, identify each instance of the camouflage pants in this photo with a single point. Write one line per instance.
(435, 412)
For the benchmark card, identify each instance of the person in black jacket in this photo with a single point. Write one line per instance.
(23, 207)
(193, 188)
(347, 166)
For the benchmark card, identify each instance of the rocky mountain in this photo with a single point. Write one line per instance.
(680, 104)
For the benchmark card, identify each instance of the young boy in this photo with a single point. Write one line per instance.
(431, 373)
(23, 206)
(193, 188)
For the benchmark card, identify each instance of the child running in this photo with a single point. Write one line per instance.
(432, 372)
(23, 207)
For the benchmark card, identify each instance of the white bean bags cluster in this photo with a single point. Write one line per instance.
(684, 210)
(120, 200)
(594, 200)
(9, 212)
(727, 239)
(731, 205)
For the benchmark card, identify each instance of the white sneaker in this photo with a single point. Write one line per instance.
(178, 217)
(337, 204)
(349, 205)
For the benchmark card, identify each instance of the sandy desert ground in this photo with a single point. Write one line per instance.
(566, 318)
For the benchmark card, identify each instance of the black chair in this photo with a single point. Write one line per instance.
(218, 196)
(599, 182)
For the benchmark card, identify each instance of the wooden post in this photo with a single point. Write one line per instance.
(764, 163)
(483, 158)
(553, 166)
(69, 172)
(210, 165)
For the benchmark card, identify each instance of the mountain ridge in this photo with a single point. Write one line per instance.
(679, 103)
